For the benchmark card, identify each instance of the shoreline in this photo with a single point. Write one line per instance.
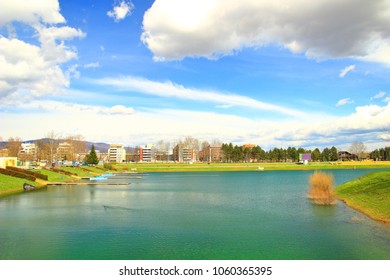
(365, 212)
(233, 168)
(369, 195)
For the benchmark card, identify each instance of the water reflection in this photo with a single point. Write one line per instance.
(242, 215)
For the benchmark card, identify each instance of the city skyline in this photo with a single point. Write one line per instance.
(307, 74)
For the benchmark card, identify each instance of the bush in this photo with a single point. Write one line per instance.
(321, 189)
(108, 166)
(17, 174)
(28, 172)
(57, 170)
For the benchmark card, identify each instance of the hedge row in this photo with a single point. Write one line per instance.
(28, 172)
(17, 174)
(62, 171)
(84, 169)
(98, 167)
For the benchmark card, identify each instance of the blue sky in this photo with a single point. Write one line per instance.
(277, 74)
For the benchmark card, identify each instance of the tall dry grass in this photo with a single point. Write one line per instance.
(321, 188)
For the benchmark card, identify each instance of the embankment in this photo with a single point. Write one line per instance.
(369, 194)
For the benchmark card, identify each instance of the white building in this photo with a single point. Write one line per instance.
(116, 153)
(28, 151)
(8, 161)
(147, 153)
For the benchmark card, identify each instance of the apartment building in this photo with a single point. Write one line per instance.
(211, 154)
(116, 153)
(183, 154)
(64, 151)
(28, 151)
(147, 153)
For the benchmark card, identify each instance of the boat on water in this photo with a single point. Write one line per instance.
(107, 175)
(98, 178)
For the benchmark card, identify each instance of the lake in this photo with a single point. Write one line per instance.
(225, 215)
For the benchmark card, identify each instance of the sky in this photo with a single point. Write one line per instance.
(273, 73)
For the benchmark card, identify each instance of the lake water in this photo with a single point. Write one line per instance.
(226, 215)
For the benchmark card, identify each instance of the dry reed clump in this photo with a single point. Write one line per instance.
(321, 189)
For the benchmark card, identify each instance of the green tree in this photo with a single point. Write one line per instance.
(316, 155)
(326, 154)
(91, 158)
(334, 155)
(258, 153)
(237, 154)
(292, 153)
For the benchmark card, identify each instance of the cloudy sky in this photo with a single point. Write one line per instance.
(273, 73)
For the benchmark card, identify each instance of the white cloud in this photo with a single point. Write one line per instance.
(172, 90)
(119, 110)
(50, 106)
(121, 11)
(346, 70)
(30, 12)
(36, 68)
(378, 95)
(320, 29)
(344, 102)
(366, 124)
(387, 99)
(224, 106)
(23, 67)
(92, 65)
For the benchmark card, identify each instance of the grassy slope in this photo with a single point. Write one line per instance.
(9, 184)
(369, 194)
(54, 176)
(181, 167)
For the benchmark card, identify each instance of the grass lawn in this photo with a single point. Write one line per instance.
(54, 176)
(183, 167)
(9, 184)
(369, 194)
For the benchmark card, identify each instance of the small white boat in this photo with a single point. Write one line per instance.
(98, 178)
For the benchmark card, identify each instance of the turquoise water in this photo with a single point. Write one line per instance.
(226, 215)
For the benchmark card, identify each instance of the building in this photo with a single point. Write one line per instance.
(64, 151)
(248, 146)
(344, 155)
(304, 158)
(8, 161)
(116, 153)
(211, 154)
(28, 151)
(147, 153)
(183, 154)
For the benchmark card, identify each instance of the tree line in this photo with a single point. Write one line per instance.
(381, 154)
(235, 153)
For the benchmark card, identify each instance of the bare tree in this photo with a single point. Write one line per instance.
(192, 143)
(160, 150)
(77, 146)
(51, 144)
(216, 143)
(14, 146)
(358, 148)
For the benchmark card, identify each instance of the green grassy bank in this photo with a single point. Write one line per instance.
(369, 194)
(11, 185)
(205, 167)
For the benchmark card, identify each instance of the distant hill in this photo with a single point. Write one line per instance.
(102, 147)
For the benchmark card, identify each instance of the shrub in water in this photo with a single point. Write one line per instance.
(321, 189)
